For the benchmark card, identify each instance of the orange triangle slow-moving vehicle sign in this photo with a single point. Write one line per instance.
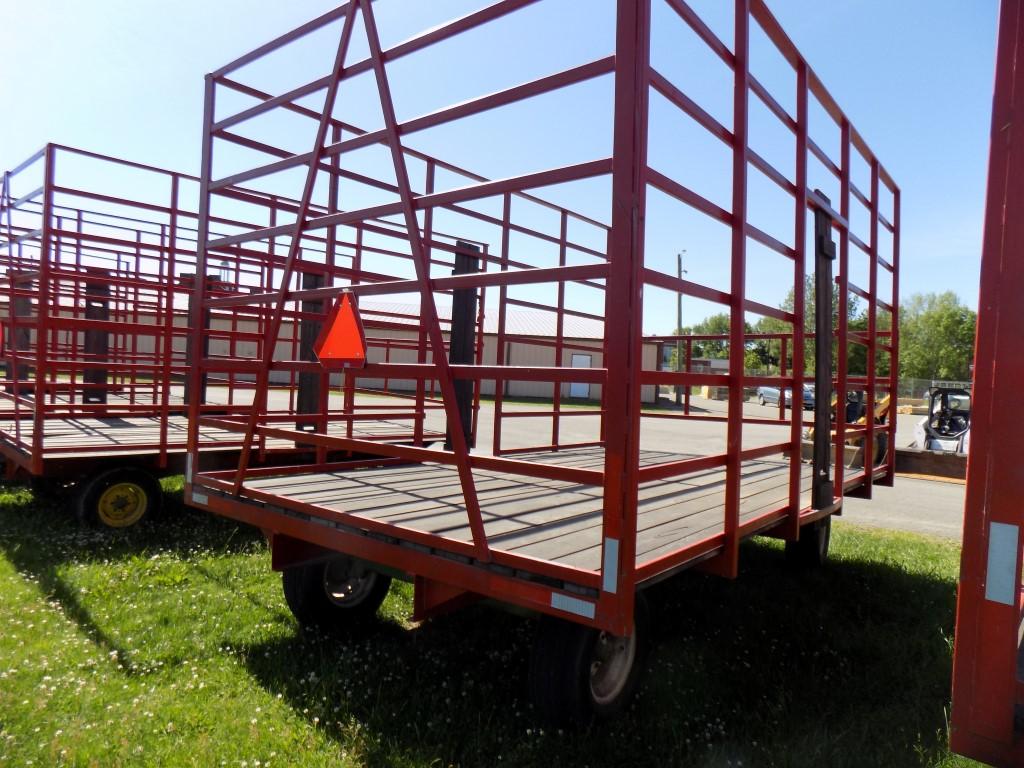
(341, 343)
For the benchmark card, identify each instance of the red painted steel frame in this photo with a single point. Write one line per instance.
(602, 597)
(69, 249)
(68, 245)
(988, 694)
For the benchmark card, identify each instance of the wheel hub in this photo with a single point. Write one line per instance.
(122, 504)
(610, 666)
(348, 582)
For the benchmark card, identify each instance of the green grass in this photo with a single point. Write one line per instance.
(171, 645)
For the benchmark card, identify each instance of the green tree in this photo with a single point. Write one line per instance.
(714, 325)
(771, 350)
(936, 337)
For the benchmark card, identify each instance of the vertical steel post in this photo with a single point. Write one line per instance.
(195, 387)
(624, 308)
(728, 563)
(349, 374)
(800, 303)
(824, 254)
(43, 312)
(686, 386)
(872, 395)
(197, 339)
(331, 259)
(501, 346)
(168, 292)
(462, 337)
(19, 336)
(842, 308)
(894, 343)
(421, 331)
(679, 326)
(311, 386)
(96, 344)
(556, 393)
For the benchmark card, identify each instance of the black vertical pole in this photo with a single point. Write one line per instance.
(96, 342)
(824, 255)
(197, 286)
(462, 344)
(310, 383)
(19, 337)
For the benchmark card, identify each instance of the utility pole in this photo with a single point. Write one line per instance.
(679, 326)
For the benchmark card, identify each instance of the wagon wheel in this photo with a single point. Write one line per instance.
(811, 550)
(336, 594)
(47, 489)
(118, 498)
(578, 673)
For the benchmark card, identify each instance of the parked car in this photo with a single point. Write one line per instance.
(770, 396)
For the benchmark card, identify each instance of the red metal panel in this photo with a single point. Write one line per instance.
(985, 663)
(116, 255)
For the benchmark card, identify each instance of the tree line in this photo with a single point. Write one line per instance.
(936, 336)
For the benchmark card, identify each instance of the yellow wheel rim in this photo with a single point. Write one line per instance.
(122, 504)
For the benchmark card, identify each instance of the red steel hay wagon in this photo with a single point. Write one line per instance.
(99, 260)
(569, 186)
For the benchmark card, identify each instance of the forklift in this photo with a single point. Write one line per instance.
(947, 426)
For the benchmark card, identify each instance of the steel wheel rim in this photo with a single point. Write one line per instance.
(347, 582)
(122, 504)
(610, 666)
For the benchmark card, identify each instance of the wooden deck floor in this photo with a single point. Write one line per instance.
(546, 519)
(114, 400)
(71, 437)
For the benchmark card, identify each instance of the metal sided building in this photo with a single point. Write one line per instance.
(569, 176)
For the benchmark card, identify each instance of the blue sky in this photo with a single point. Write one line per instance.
(125, 77)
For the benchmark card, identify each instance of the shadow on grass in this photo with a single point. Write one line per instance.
(42, 538)
(847, 666)
(45, 529)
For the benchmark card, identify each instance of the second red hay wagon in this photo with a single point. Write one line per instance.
(98, 258)
(574, 513)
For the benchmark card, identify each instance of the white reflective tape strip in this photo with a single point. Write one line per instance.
(188, 468)
(572, 605)
(610, 567)
(1000, 576)
(200, 498)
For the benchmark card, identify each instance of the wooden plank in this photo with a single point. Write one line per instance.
(81, 436)
(547, 519)
(694, 519)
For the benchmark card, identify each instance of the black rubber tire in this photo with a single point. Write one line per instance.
(47, 489)
(560, 670)
(306, 594)
(91, 491)
(760, 400)
(811, 550)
